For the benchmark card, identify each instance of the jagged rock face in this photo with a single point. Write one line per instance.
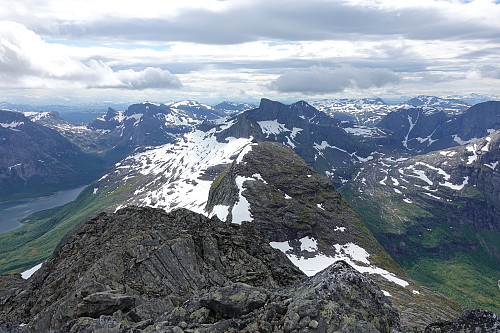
(422, 129)
(142, 269)
(327, 144)
(145, 124)
(143, 259)
(34, 157)
(469, 322)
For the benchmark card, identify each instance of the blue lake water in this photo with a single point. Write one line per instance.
(12, 211)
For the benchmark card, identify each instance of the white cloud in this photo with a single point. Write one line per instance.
(27, 60)
(220, 48)
(328, 80)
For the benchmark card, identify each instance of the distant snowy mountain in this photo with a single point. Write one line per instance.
(473, 98)
(421, 129)
(232, 108)
(365, 111)
(449, 106)
(198, 110)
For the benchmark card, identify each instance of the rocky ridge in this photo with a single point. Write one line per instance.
(144, 270)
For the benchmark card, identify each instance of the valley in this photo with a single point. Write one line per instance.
(11, 212)
(416, 208)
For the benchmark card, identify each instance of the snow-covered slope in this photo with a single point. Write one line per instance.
(175, 175)
(450, 106)
(365, 111)
(437, 214)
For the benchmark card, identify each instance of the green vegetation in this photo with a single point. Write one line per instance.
(463, 278)
(34, 242)
(434, 248)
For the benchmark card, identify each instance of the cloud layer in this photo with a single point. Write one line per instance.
(248, 48)
(284, 20)
(330, 80)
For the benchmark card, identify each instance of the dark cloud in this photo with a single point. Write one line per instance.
(280, 20)
(331, 80)
(489, 71)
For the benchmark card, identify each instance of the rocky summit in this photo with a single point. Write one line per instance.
(144, 270)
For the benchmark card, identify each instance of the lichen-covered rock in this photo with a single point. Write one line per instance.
(336, 299)
(470, 321)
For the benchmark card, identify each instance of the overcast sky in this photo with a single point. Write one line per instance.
(72, 51)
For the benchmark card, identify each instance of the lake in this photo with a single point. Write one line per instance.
(12, 211)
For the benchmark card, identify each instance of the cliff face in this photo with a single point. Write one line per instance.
(142, 269)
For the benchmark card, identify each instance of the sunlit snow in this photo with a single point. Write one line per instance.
(26, 274)
(351, 253)
(241, 210)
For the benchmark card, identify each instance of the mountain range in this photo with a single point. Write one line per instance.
(265, 169)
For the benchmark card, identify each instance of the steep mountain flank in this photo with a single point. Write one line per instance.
(421, 129)
(437, 215)
(143, 270)
(172, 176)
(35, 160)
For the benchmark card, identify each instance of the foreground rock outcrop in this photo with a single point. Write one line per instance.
(142, 269)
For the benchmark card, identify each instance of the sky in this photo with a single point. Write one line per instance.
(76, 51)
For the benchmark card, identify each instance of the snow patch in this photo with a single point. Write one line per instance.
(272, 127)
(456, 187)
(241, 210)
(12, 124)
(351, 253)
(28, 273)
(242, 154)
(461, 142)
(492, 165)
(221, 211)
